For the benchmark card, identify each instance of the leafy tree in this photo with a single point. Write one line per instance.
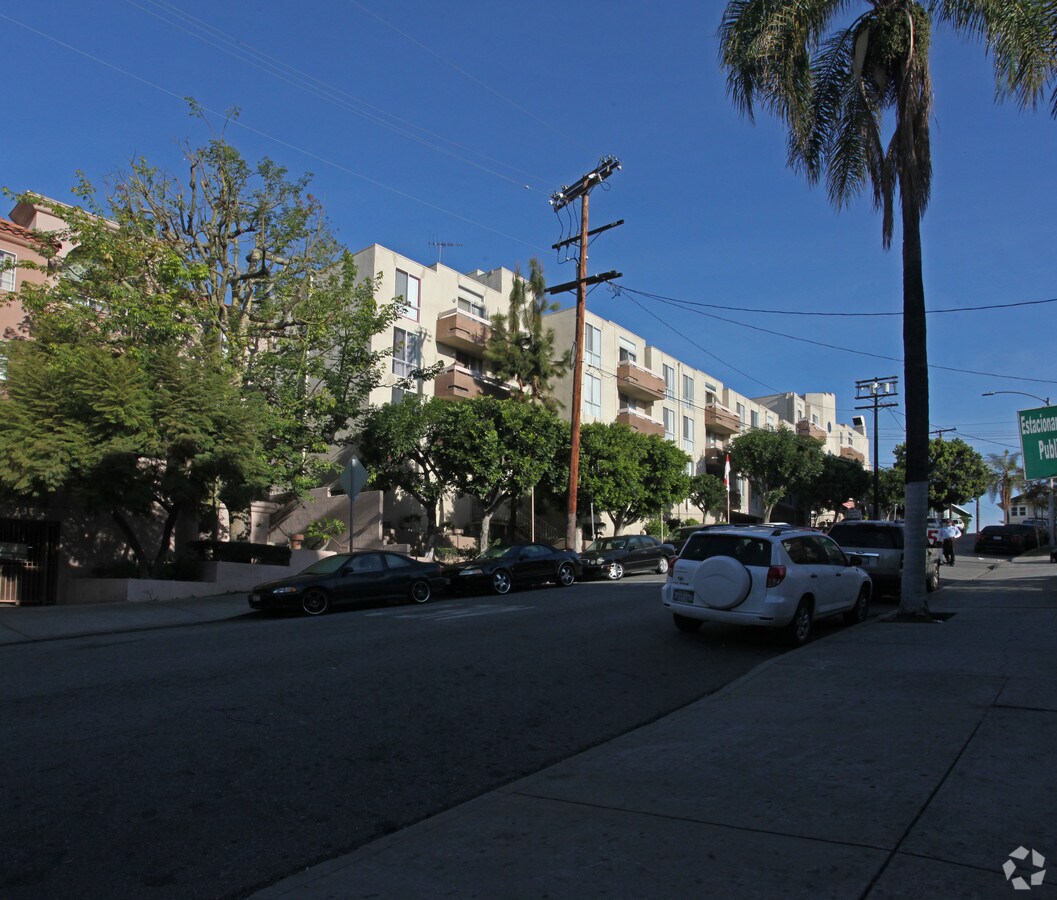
(398, 445)
(833, 92)
(629, 475)
(494, 450)
(1004, 478)
(263, 281)
(957, 473)
(892, 485)
(520, 349)
(709, 494)
(776, 462)
(128, 435)
(837, 480)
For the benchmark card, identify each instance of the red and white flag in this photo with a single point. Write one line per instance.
(726, 474)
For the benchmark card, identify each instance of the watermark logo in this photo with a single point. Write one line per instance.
(1010, 867)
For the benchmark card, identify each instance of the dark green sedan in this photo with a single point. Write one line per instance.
(350, 579)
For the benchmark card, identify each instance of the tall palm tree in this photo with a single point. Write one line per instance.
(832, 78)
(1004, 477)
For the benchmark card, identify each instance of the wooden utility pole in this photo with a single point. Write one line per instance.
(582, 188)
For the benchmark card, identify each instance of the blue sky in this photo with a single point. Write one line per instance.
(427, 122)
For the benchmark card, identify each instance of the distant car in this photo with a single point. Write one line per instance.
(503, 567)
(613, 557)
(679, 536)
(1011, 539)
(880, 546)
(774, 577)
(351, 578)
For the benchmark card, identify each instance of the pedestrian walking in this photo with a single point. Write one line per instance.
(948, 534)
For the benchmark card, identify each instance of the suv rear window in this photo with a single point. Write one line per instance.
(748, 550)
(879, 537)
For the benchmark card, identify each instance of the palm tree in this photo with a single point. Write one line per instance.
(831, 79)
(1004, 478)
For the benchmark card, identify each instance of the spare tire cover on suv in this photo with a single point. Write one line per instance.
(721, 582)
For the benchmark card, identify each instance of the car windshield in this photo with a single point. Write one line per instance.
(750, 551)
(878, 537)
(327, 565)
(604, 545)
(496, 552)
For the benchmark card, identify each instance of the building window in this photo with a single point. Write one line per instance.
(406, 348)
(770, 422)
(471, 303)
(593, 346)
(7, 276)
(407, 286)
(669, 382)
(814, 419)
(741, 412)
(754, 419)
(628, 353)
(593, 396)
(669, 425)
(627, 403)
(473, 363)
(688, 390)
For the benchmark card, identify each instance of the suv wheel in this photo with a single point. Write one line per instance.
(799, 629)
(860, 610)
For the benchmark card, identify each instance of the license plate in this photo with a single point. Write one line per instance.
(996, 537)
(683, 596)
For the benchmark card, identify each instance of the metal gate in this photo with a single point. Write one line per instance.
(28, 561)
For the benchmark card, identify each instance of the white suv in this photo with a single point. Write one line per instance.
(776, 577)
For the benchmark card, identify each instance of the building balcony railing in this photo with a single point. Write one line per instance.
(463, 331)
(806, 428)
(853, 454)
(640, 422)
(720, 420)
(638, 382)
(458, 383)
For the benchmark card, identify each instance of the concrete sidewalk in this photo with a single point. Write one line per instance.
(885, 760)
(27, 624)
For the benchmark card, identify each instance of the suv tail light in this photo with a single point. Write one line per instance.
(671, 566)
(775, 576)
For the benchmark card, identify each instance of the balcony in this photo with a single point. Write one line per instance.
(853, 454)
(463, 331)
(640, 422)
(805, 428)
(637, 382)
(457, 383)
(715, 459)
(720, 420)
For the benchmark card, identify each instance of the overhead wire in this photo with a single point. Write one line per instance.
(263, 134)
(264, 62)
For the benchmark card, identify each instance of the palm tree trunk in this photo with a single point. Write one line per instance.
(916, 380)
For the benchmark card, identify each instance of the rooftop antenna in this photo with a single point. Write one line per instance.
(440, 245)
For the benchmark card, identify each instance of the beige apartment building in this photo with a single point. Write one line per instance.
(446, 320)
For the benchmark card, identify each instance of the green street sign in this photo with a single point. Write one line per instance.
(1038, 440)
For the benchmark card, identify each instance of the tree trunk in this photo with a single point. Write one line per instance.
(133, 543)
(166, 537)
(486, 526)
(912, 599)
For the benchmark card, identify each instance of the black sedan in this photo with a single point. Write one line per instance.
(351, 578)
(1006, 539)
(501, 568)
(614, 556)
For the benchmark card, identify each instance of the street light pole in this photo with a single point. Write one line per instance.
(873, 389)
(1051, 526)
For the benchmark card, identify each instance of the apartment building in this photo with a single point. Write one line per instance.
(20, 243)
(815, 415)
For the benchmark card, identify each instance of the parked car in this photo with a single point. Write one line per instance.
(502, 567)
(765, 576)
(679, 536)
(613, 557)
(932, 529)
(1012, 539)
(879, 544)
(351, 578)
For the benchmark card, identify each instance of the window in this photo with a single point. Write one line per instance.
(771, 421)
(688, 390)
(626, 402)
(593, 395)
(669, 382)
(628, 353)
(473, 363)
(754, 419)
(688, 436)
(7, 277)
(669, 425)
(593, 346)
(740, 408)
(407, 286)
(368, 564)
(471, 303)
(814, 419)
(405, 359)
